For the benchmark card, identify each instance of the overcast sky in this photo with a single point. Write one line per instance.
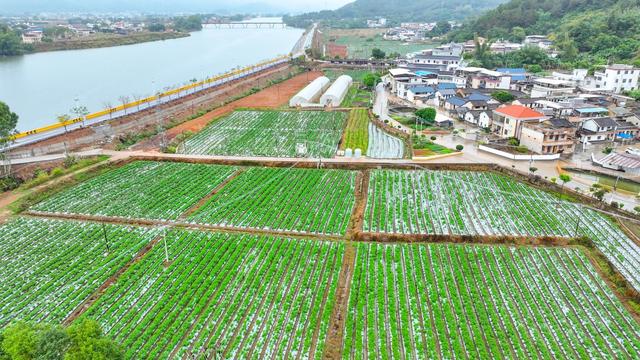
(18, 6)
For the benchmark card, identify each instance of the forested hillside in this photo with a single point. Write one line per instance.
(355, 14)
(586, 32)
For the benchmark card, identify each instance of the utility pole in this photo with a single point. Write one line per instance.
(106, 239)
(166, 250)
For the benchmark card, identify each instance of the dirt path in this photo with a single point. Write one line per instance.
(110, 281)
(335, 334)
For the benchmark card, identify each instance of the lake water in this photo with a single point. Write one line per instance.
(38, 87)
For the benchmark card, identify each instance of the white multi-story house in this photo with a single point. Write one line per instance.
(617, 78)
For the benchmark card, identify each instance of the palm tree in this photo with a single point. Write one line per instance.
(565, 178)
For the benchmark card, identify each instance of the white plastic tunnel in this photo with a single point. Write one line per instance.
(311, 93)
(336, 93)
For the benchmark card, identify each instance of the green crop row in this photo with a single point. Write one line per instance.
(356, 135)
(298, 200)
(270, 134)
(478, 203)
(142, 189)
(464, 301)
(49, 267)
(223, 295)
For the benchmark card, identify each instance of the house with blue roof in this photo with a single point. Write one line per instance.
(421, 94)
(517, 74)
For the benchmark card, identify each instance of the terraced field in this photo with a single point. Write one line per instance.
(227, 296)
(49, 267)
(142, 189)
(483, 302)
(270, 134)
(476, 203)
(297, 200)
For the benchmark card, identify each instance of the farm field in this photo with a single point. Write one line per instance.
(270, 134)
(483, 302)
(360, 44)
(356, 135)
(296, 200)
(241, 296)
(49, 267)
(141, 189)
(478, 203)
(383, 145)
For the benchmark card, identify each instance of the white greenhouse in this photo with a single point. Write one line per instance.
(337, 91)
(311, 92)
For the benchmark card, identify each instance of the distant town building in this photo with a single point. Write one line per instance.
(540, 41)
(377, 23)
(32, 37)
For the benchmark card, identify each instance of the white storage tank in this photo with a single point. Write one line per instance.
(348, 153)
(336, 93)
(357, 154)
(311, 92)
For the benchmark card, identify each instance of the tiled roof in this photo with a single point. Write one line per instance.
(519, 112)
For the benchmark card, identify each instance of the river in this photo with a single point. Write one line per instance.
(38, 87)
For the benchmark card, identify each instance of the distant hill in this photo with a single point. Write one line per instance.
(585, 31)
(355, 14)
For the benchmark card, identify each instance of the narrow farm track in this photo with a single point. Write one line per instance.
(205, 199)
(334, 339)
(96, 295)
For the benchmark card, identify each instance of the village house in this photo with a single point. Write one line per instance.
(553, 136)
(508, 120)
(617, 78)
(598, 130)
(546, 87)
(480, 118)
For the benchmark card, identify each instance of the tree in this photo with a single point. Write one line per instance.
(565, 178)
(459, 147)
(503, 96)
(80, 111)
(426, 115)
(637, 210)
(8, 123)
(156, 27)
(370, 80)
(62, 119)
(378, 54)
(518, 34)
(10, 42)
(533, 169)
(124, 100)
(82, 340)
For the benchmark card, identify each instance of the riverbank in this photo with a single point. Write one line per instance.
(106, 40)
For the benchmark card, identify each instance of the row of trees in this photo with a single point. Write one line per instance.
(11, 42)
(81, 341)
